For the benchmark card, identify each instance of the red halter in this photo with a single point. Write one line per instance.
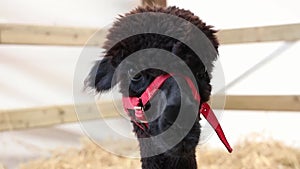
(137, 104)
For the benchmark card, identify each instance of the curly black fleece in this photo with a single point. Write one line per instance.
(182, 156)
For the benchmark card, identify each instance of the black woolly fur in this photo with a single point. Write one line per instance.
(182, 155)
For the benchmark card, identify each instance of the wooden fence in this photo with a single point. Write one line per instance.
(68, 36)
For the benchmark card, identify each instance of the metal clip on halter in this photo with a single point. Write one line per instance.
(138, 108)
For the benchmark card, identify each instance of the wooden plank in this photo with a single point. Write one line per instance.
(290, 32)
(162, 3)
(51, 115)
(263, 103)
(48, 35)
(45, 116)
(67, 36)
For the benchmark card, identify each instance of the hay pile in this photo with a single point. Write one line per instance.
(91, 156)
(246, 155)
(251, 155)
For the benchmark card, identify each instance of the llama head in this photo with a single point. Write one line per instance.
(135, 61)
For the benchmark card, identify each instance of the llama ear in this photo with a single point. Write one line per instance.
(101, 75)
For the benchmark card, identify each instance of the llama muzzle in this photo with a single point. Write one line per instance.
(137, 105)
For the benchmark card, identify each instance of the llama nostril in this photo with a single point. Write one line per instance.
(147, 106)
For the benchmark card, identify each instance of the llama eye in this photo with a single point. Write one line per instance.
(131, 72)
(133, 75)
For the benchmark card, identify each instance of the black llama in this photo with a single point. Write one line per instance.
(102, 78)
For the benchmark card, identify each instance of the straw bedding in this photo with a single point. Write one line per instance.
(247, 155)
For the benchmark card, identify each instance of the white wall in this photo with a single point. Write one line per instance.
(86, 13)
(43, 75)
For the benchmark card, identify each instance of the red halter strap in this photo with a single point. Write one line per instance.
(137, 104)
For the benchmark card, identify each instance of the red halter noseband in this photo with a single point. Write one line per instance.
(137, 104)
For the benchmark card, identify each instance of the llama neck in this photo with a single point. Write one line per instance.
(168, 162)
(165, 160)
(180, 162)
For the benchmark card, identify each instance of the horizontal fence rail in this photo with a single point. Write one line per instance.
(49, 35)
(289, 32)
(70, 36)
(51, 115)
(263, 103)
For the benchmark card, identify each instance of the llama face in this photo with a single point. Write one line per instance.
(173, 108)
(162, 111)
(135, 65)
